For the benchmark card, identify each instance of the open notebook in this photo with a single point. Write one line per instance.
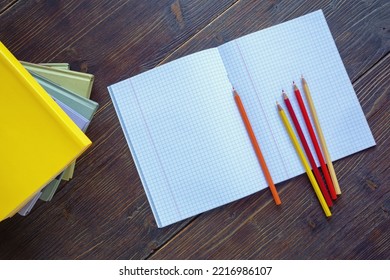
(185, 132)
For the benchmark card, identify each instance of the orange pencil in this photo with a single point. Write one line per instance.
(256, 147)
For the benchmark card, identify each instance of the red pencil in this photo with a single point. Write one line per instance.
(307, 151)
(313, 137)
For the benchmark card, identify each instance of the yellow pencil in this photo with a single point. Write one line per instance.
(309, 173)
(321, 137)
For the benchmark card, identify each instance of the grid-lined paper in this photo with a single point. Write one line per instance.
(186, 136)
(263, 63)
(185, 133)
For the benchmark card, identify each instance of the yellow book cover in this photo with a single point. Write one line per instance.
(37, 138)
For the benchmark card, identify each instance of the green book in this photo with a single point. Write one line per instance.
(77, 82)
(52, 187)
(54, 184)
(58, 65)
(80, 104)
(85, 107)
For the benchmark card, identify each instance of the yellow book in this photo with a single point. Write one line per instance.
(37, 138)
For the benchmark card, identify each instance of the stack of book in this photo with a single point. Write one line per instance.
(45, 111)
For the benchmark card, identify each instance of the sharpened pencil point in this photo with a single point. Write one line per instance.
(284, 94)
(279, 107)
(234, 92)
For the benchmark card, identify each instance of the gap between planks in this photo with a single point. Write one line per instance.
(8, 6)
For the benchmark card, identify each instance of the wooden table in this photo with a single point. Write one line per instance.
(103, 212)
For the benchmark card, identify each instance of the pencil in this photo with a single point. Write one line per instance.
(304, 161)
(309, 155)
(256, 147)
(321, 136)
(314, 140)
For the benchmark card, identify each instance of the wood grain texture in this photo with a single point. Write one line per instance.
(6, 4)
(254, 228)
(362, 37)
(103, 212)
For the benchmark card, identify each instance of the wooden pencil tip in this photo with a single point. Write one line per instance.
(279, 107)
(284, 95)
(295, 86)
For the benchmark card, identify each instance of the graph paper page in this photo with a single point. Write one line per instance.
(263, 63)
(186, 136)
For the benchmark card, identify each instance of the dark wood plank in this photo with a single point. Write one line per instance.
(103, 212)
(255, 228)
(127, 37)
(361, 29)
(6, 4)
